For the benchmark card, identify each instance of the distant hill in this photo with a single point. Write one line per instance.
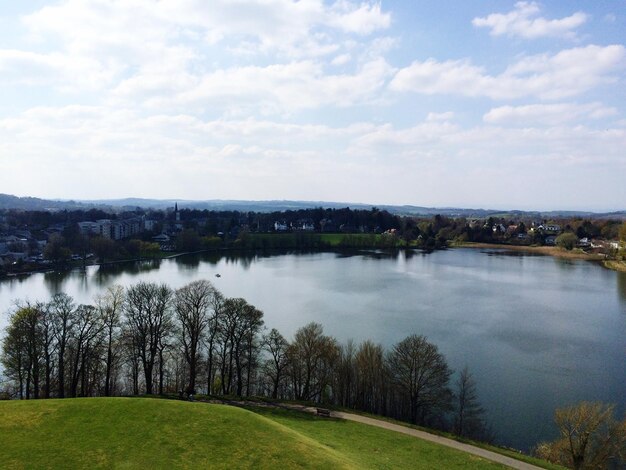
(115, 205)
(32, 203)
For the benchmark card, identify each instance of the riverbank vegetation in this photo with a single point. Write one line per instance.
(40, 240)
(150, 339)
(590, 437)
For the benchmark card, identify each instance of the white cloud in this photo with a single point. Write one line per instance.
(240, 56)
(523, 22)
(142, 27)
(341, 59)
(364, 19)
(547, 114)
(111, 152)
(282, 88)
(223, 99)
(447, 116)
(59, 70)
(567, 73)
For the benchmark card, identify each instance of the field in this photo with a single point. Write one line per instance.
(148, 433)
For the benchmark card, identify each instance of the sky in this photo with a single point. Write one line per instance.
(493, 104)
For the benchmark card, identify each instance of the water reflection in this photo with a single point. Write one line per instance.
(621, 288)
(83, 280)
(54, 280)
(187, 262)
(565, 264)
(106, 273)
(391, 254)
(240, 259)
(211, 257)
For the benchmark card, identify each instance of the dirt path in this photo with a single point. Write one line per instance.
(444, 441)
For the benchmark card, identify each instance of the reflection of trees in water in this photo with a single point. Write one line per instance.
(54, 280)
(108, 272)
(565, 264)
(244, 259)
(387, 254)
(621, 286)
(393, 254)
(211, 257)
(83, 279)
(17, 279)
(408, 254)
(187, 262)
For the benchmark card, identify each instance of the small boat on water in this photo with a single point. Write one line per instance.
(218, 275)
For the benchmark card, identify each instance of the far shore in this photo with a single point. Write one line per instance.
(555, 251)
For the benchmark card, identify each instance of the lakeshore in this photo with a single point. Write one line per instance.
(555, 251)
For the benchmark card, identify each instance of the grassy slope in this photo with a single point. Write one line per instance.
(146, 433)
(372, 447)
(517, 455)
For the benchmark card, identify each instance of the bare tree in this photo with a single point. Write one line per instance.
(132, 357)
(371, 372)
(312, 357)
(193, 310)
(468, 418)
(87, 326)
(591, 438)
(46, 334)
(110, 308)
(276, 345)
(213, 329)
(345, 382)
(148, 315)
(240, 324)
(63, 312)
(421, 373)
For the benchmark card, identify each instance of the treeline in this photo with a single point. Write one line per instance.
(149, 338)
(309, 229)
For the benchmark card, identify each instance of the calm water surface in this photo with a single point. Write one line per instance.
(536, 332)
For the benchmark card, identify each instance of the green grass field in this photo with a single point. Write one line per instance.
(147, 433)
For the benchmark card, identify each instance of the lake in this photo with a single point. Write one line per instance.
(536, 332)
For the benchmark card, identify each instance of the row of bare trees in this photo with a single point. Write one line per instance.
(149, 338)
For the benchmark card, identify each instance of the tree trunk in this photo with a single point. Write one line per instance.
(62, 371)
(107, 379)
(209, 389)
(161, 372)
(28, 384)
(48, 375)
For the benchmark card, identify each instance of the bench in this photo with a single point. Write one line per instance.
(323, 412)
